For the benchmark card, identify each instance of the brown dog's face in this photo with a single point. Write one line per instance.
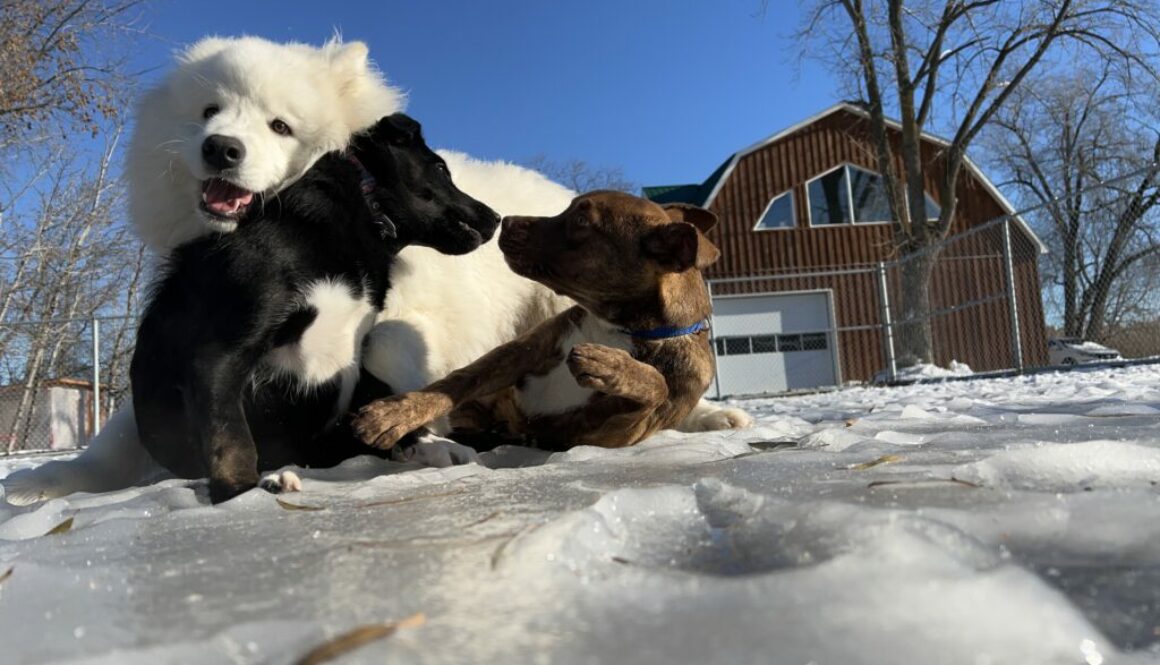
(608, 246)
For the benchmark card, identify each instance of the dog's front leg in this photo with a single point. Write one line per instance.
(214, 405)
(615, 372)
(382, 423)
(629, 395)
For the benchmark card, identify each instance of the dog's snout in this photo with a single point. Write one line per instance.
(509, 222)
(222, 152)
(515, 231)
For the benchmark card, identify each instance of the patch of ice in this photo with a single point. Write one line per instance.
(668, 448)
(1049, 419)
(1064, 467)
(901, 438)
(834, 439)
(912, 412)
(35, 523)
(654, 553)
(700, 547)
(1123, 409)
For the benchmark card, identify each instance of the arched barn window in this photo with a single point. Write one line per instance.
(779, 214)
(850, 194)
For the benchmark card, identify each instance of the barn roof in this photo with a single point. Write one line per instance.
(705, 193)
(695, 193)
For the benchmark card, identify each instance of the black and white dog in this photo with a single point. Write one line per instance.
(249, 351)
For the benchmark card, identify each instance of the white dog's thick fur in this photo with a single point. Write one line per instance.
(442, 312)
(322, 94)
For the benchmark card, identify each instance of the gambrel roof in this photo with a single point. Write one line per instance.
(705, 193)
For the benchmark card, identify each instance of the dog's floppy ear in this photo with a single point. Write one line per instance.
(679, 246)
(404, 127)
(685, 212)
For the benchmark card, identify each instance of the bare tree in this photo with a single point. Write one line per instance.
(1082, 148)
(65, 253)
(956, 63)
(73, 268)
(59, 68)
(579, 176)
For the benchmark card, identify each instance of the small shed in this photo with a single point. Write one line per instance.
(62, 416)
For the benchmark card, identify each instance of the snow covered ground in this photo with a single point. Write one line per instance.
(990, 521)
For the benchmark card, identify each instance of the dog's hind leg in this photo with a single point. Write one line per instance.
(114, 460)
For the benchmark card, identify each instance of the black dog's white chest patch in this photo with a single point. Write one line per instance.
(329, 343)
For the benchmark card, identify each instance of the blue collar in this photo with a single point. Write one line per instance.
(666, 332)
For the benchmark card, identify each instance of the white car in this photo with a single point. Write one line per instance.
(1073, 351)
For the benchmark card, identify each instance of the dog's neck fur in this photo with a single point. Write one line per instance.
(679, 300)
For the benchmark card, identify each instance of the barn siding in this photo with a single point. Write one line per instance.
(968, 270)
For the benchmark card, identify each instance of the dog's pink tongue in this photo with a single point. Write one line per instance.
(224, 198)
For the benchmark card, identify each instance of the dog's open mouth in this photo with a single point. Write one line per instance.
(224, 199)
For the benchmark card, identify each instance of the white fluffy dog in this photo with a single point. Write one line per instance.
(282, 105)
(286, 105)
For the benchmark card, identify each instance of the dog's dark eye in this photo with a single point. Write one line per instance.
(210, 111)
(442, 166)
(280, 127)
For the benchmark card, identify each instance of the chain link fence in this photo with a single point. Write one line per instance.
(997, 298)
(60, 380)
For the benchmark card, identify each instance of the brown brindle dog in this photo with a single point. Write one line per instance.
(631, 359)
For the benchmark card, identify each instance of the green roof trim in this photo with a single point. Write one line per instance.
(694, 194)
(672, 193)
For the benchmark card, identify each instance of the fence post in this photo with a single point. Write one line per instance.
(96, 376)
(887, 324)
(713, 341)
(1012, 300)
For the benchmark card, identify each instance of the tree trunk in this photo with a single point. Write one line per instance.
(1072, 313)
(914, 338)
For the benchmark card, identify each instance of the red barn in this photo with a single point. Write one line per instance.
(804, 226)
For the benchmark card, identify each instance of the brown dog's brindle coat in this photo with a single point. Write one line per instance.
(632, 266)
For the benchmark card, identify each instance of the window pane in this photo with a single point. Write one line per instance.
(789, 342)
(735, 346)
(932, 209)
(765, 343)
(870, 202)
(829, 202)
(814, 342)
(780, 213)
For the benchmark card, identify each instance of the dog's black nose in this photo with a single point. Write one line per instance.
(222, 152)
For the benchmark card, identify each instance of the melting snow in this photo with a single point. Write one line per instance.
(987, 521)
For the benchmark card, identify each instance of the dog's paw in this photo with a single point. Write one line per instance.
(730, 418)
(433, 450)
(281, 482)
(710, 418)
(381, 424)
(597, 367)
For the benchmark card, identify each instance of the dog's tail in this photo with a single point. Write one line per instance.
(114, 460)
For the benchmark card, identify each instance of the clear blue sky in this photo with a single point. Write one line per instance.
(664, 89)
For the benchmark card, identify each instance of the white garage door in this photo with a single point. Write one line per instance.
(771, 343)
